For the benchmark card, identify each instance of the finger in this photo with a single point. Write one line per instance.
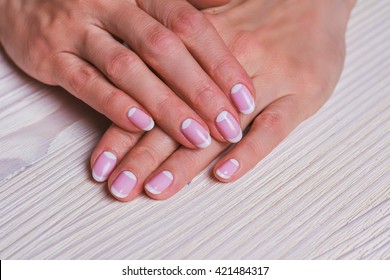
(126, 181)
(86, 83)
(204, 4)
(268, 129)
(106, 155)
(207, 47)
(166, 54)
(127, 71)
(174, 173)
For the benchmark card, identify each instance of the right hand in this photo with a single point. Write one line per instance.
(294, 50)
(178, 72)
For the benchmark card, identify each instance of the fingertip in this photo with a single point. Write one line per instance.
(227, 170)
(103, 166)
(242, 98)
(158, 184)
(125, 186)
(229, 127)
(140, 119)
(195, 133)
(164, 184)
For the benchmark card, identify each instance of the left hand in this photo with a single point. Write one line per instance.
(294, 53)
(164, 75)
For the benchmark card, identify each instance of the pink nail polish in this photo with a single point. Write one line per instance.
(123, 184)
(227, 169)
(228, 127)
(195, 133)
(103, 167)
(140, 119)
(243, 99)
(159, 182)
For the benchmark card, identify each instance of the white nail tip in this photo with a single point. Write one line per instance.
(131, 111)
(236, 88)
(248, 111)
(98, 178)
(130, 175)
(236, 139)
(152, 190)
(206, 143)
(186, 124)
(223, 176)
(150, 126)
(168, 174)
(116, 193)
(109, 155)
(222, 116)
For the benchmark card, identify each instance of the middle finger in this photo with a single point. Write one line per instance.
(165, 53)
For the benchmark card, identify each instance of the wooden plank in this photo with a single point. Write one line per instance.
(322, 194)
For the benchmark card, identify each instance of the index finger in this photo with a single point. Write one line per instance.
(207, 47)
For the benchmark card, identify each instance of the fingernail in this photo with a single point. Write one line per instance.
(159, 182)
(123, 184)
(140, 119)
(227, 169)
(228, 127)
(195, 133)
(243, 99)
(103, 166)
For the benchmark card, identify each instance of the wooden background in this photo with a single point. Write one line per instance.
(322, 194)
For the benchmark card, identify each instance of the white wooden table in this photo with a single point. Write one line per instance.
(323, 193)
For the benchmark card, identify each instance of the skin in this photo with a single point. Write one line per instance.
(166, 71)
(293, 50)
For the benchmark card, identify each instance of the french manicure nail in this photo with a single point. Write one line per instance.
(123, 184)
(228, 127)
(140, 119)
(159, 182)
(227, 169)
(103, 166)
(243, 99)
(195, 133)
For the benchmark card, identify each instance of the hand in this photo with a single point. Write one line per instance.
(77, 44)
(293, 51)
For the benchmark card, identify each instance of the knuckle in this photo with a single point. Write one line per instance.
(206, 97)
(272, 121)
(79, 79)
(188, 21)
(159, 41)
(255, 146)
(165, 103)
(150, 157)
(108, 102)
(161, 110)
(120, 64)
(222, 66)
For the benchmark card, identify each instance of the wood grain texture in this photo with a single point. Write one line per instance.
(324, 193)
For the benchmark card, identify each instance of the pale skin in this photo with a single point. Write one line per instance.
(294, 52)
(165, 72)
